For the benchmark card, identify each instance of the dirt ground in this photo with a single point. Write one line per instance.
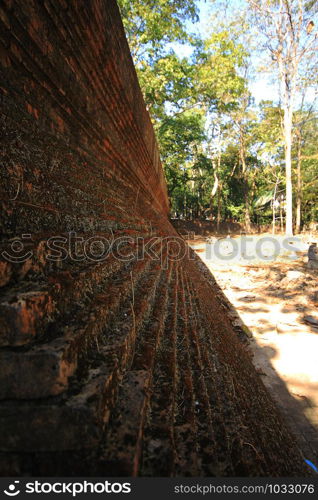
(276, 298)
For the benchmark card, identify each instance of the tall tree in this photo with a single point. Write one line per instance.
(219, 87)
(302, 118)
(242, 121)
(286, 28)
(306, 159)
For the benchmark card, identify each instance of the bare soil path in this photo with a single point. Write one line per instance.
(277, 302)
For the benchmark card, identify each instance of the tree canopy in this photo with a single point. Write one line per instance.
(227, 155)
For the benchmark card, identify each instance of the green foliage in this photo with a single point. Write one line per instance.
(309, 158)
(167, 82)
(221, 153)
(151, 24)
(217, 78)
(268, 129)
(151, 27)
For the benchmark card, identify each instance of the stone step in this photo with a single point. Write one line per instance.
(158, 454)
(26, 314)
(45, 370)
(185, 425)
(205, 437)
(151, 334)
(124, 437)
(122, 444)
(72, 424)
(214, 438)
(77, 420)
(37, 373)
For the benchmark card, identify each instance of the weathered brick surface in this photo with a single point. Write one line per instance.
(128, 366)
(23, 315)
(39, 372)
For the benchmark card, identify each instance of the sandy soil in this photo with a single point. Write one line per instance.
(277, 301)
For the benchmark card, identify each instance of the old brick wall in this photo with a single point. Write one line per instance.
(110, 363)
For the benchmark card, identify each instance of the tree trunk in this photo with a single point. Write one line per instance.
(299, 184)
(247, 218)
(219, 187)
(281, 217)
(288, 168)
(274, 206)
(218, 219)
(216, 187)
(247, 209)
